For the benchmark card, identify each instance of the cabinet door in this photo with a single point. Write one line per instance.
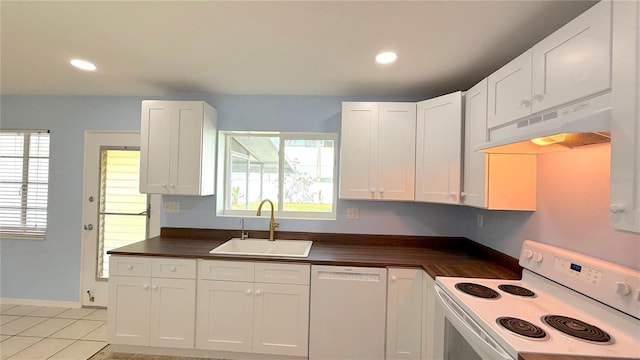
(129, 309)
(155, 147)
(475, 125)
(404, 314)
(575, 61)
(625, 123)
(224, 316)
(433, 321)
(173, 303)
(358, 150)
(396, 151)
(510, 91)
(439, 149)
(186, 147)
(281, 319)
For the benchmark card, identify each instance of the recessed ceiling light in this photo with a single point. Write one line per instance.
(386, 57)
(83, 65)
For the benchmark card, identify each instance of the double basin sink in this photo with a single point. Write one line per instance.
(264, 247)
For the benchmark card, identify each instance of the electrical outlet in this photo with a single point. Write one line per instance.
(352, 213)
(171, 206)
(480, 220)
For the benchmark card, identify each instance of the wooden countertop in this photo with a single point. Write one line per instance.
(438, 256)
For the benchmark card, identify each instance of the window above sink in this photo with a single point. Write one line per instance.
(297, 171)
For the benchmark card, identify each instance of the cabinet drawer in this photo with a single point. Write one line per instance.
(129, 266)
(282, 273)
(173, 268)
(225, 270)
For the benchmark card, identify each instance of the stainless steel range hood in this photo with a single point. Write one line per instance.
(582, 123)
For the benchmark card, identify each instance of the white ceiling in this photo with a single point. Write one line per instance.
(265, 47)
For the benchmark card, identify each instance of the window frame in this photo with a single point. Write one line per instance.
(24, 231)
(224, 174)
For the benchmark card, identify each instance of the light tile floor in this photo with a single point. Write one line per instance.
(40, 332)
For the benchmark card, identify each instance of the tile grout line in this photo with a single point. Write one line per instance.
(74, 321)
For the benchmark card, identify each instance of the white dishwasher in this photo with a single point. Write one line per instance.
(348, 313)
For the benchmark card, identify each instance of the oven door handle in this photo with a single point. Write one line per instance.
(469, 325)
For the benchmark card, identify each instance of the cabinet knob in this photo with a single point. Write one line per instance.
(525, 103)
(165, 186)
(394, 278)
(154, 287)
(248, 292)
(537, 97)
(258, 292)
(463, 194)
(616, 208)
(130, 267)
(173, 269)
(145, 286)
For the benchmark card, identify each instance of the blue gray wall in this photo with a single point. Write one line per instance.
(50, 269)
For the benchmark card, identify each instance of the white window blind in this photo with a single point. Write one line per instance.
(24, 183)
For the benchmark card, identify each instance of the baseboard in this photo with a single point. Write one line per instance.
(40, 302)
(198, 353)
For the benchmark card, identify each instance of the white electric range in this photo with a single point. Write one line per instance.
(565, 303)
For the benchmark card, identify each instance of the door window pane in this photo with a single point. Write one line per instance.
(123, 209)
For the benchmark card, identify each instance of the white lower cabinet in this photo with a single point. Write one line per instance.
(404, 313)
(253, 307)
(433, 322)
(152, 301)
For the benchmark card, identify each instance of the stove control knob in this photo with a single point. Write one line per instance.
(537, 257)
(527, 254)
(623, 288)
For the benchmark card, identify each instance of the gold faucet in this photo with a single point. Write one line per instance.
(272, 224)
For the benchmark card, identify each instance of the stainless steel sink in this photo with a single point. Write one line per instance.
(264, 247)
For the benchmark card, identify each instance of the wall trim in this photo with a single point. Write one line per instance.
(40, 302)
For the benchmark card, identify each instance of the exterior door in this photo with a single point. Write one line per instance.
(114, 213)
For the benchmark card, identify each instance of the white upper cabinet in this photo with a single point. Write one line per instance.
(493, 181)
(510, 91)
(575, 61)
(572, 63)
(377, 154)
(439, 149)
(625, 123)
(177, 147)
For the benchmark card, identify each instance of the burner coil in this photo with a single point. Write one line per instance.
(577, 328)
